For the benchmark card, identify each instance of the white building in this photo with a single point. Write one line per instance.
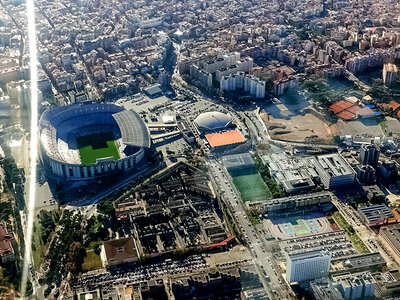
(355, 286)
(150, 23)
(308, 265)
(201, 75)
(249, 83)
(20, 93)
(222, 61)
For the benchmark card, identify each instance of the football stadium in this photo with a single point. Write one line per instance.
(89, 140)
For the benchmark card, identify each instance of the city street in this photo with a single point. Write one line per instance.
(263, 259)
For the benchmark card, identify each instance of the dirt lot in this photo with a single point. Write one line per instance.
(368, 128)
(392, 126)
(307, 126)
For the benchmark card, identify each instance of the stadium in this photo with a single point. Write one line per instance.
(218, 130)
(90, 140)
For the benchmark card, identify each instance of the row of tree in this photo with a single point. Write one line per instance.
(276, 190)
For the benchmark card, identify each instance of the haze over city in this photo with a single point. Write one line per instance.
(193, 149)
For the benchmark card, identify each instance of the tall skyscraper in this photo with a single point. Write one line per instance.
(308, 265)
(369, 154)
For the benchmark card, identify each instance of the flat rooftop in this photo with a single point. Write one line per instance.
(308, 255)
(284, 167)
(357, 262)
(238, 160)
(334, 164)
(375, 212)
(392, 233)
(224, 138)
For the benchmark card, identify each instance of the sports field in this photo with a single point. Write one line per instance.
(250, 184)
(291, 226)
(97, 146)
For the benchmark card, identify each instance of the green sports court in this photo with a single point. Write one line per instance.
(97, 146)
(250, 184)
(298, 225)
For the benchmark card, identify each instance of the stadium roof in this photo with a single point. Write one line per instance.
(224, 138)
(133, 130)
(213, 120)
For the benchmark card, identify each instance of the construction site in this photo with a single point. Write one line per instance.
(304, 126)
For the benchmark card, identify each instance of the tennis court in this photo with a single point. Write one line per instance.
(299, 225)
(250, 184)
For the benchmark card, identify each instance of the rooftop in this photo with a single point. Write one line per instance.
(120, 250)
(238, 160)
(308, 255)
(392, 233)
(213, 120)
(153, 90)
(133, 130)
(375, 212)
(225, 138)
(390, 67)
(5, 240)
(334, 165)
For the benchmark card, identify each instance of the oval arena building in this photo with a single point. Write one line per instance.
(90, 140)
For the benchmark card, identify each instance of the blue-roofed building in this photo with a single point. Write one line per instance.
(375, 215)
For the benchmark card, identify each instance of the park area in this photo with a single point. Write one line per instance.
(250, 184)
(92, 261)
(97, 146)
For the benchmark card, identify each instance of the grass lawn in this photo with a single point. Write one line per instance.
(250, 185)
(92, 261)
(91, 150)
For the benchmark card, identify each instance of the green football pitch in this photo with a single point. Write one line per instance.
(250, 185)
(94, 147)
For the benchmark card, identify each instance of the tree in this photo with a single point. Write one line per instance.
(106, 207)
(75, 258)
(378, 89)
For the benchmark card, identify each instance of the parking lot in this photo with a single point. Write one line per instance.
(135, 274)
(366, 128)
(335, 242)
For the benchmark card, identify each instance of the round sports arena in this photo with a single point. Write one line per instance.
(212, 121)
(90, 140)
